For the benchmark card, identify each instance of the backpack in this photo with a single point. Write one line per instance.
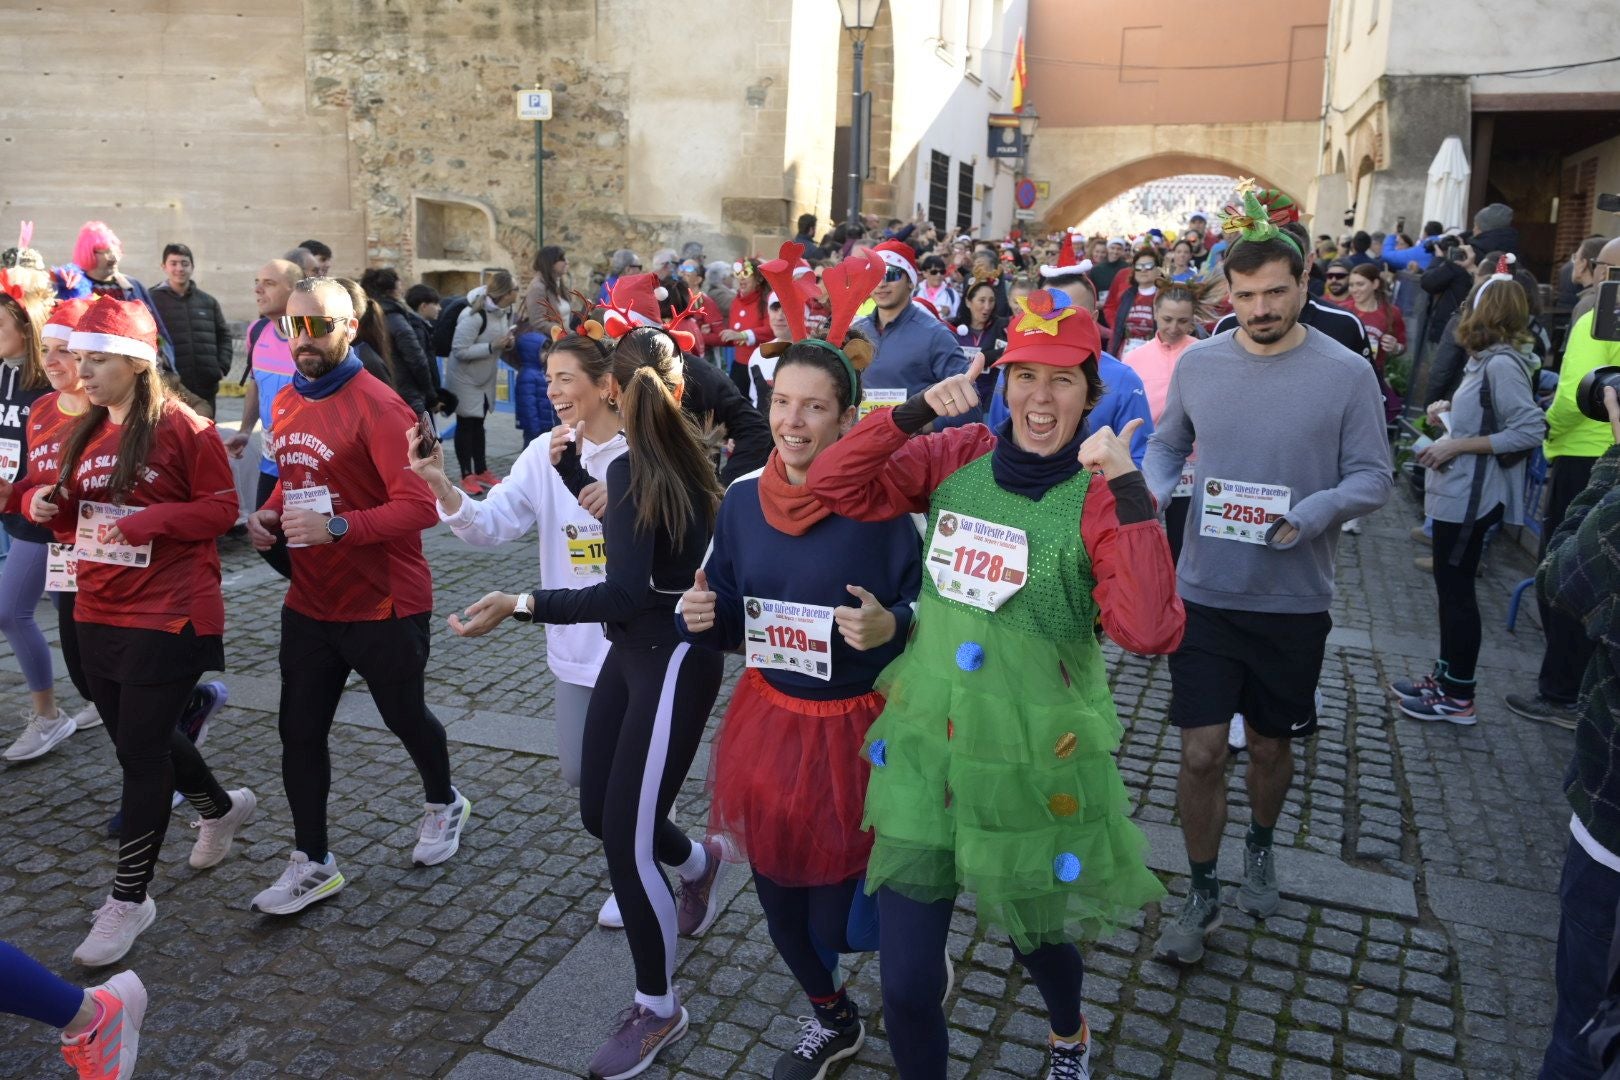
(254, 332)
(444, 327)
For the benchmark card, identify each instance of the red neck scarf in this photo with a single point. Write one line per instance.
(789, 508)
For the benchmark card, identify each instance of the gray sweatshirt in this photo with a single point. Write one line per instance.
(1303, 429)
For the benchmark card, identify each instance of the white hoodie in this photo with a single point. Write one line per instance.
(534, 496)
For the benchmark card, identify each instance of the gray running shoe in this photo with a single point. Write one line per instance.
(41, 736)
(640, 1038)
(1259, 895)
(440, 834)
(1548, 712)
(1182, 938)
(818, 1047)
(300, 885)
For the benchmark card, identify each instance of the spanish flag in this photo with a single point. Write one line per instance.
(1020, 75)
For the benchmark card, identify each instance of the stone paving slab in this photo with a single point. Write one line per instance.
(491, 1067)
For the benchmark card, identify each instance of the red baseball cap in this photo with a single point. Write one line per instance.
(1051, 330)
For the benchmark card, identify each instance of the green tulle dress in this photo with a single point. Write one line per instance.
(1000, 780)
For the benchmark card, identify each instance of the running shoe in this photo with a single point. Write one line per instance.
(116, 925)
(698, 902)
(817, 1049)
(1422, 537)
(108, 1050)
(1259, 895)
(1069, 1060)
(641, 1036)
(1351, 527)
(206, 700)
(1182, 938)
(609, 918)
(1237, 735)
(40, 736)
(1427, 686)
(1452, 710)
(471, 484)
(214, 835)
(1424, 563)
(487, 478)
(87, 717)
(440, 834)
(300, 885)
(1539, 708)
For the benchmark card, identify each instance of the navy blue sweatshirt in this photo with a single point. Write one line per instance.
(749, 557)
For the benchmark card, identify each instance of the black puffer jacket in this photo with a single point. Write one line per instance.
(413, 377)
(203, 346)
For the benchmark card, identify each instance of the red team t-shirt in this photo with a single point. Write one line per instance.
(48, 429)
(189, 496)
(353, 444)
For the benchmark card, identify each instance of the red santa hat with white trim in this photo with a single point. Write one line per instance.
(900, 256)
(634, 302)
(63, 319)
(122, 327)
(1067, 264)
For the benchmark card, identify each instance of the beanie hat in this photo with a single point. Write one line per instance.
(63, 319)
(900, 256)
(123, 327)
(1051, 330)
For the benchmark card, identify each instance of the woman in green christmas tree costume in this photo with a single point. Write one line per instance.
(992, 762)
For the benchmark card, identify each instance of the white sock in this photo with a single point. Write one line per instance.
(692, 869)
(661, 1005)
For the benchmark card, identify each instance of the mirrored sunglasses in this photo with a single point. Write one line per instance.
(314, 326)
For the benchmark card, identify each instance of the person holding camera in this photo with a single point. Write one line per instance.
(1475, 480)
(1447, 281)
(1579, 579)
(1574, 444)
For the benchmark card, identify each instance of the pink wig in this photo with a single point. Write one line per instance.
(92, 235)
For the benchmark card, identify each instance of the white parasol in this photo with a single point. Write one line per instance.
(1445, 198)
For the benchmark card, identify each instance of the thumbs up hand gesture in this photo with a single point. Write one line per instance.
(867, 626)
(1108, 453)
(956, 395)
(697, 604)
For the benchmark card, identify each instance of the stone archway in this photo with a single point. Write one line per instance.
(1076, 204)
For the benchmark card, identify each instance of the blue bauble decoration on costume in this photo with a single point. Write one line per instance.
(879, 753)
(1066, 866)
(970, 656)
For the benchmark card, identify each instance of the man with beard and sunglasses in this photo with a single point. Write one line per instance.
(1290, 434)
(914, 349)
(361, 596)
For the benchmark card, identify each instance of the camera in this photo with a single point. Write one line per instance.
(1589, 395)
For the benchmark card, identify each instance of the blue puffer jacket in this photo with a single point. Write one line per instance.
(534, 413)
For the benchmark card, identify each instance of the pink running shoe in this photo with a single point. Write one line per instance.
(108, 1050)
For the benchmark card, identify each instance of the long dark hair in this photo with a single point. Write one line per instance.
(543, 262)
(967, 315)
(671, 475)
(373, 325)
(810, 354)
(134, 445)
(593, 356)
(379, 282)
(29, 318)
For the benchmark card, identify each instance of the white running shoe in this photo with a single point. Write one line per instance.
(1351, 527)
(214, 835)
(40, 737)
(115, 927)
(609, 917)
(87, 717)
(107, 1051)
(300, 885)
(440, 834)
(1237, 734)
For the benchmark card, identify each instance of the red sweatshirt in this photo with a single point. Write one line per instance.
(748, 314)
(876, 473)
(353, 444)
(189, 495)
(48, 428)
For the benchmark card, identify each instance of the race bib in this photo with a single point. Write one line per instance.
(587, 554)
(789, 637)
(978, 563)
(880, 399)
(10, 459)
(1235, 510)
(61, 568)
(1184, 486)
(316, 497)
(96, 521)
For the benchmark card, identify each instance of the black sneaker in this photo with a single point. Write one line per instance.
(818, 1047)
(1548, 712)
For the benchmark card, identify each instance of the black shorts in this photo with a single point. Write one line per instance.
(1261, 664)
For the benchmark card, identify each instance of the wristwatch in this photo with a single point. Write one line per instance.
(337, 528)
(524, 612)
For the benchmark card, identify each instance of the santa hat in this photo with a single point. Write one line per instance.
(1051, 330)
(122, 327)
(1067, 264)
(900, 256)
(63, 319)
(1504, 272)
(633, 301)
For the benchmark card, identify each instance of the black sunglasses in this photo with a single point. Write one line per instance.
(1337, 277)
(896, 274)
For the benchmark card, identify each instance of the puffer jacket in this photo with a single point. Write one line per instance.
(535, 415)
(474, 361)
(203, 346)
(412, 376)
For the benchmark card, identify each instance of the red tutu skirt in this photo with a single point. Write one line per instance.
(788, 782)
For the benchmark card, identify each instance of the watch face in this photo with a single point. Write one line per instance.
(337, 526)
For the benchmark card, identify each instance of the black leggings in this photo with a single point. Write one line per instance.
(68, 633)
(1175, 524)
(912, 945)
(157, 760)
(470, 444)
(316, 659)
(278, 557)
(646, 719)
(1457, 550)
(799, 919)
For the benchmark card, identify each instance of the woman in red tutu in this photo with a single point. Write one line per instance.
(819, 605)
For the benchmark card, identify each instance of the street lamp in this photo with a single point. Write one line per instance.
(1028, 120)
(859, 16)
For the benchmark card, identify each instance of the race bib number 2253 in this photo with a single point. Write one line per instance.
(1241, 511)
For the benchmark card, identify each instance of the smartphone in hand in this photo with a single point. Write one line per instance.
(427, 435)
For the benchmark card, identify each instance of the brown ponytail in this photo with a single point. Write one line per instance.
(670, 471)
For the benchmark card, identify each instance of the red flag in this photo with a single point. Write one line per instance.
(1020, 75)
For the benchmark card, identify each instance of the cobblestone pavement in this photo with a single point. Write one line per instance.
(408, 971)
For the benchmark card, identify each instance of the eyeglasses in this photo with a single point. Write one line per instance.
(1147, 266)
(894, 273)
(1337, 277)
(313, 326)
